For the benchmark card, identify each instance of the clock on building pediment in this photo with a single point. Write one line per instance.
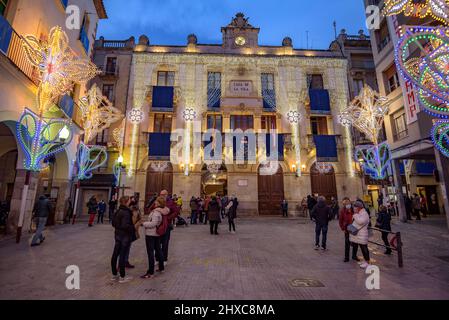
(240, 34)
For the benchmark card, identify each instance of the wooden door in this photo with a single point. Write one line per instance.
(271, 193)
(323, 184)
(158, 181)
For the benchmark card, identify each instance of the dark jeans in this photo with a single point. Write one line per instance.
(206, 214)
(348, 247)
(417, 214)
(201, 217)
(223, 212)
(363, 247)
(127, 254)
(154, 246)
(111, 215)
(318, 230)
(121, 248)
(409, 214)
(213, 227)
(231, 224)
(385, 240)
(100, 217)
(193, 217)
(284, 212)
(165, 240)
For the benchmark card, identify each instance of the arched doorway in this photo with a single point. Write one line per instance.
(214, 180)
(159, 177)
(271, 191)
(323, 184)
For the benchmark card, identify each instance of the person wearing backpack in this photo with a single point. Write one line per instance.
(124, 232)
(153, 237)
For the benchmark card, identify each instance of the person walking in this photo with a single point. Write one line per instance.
(235, 202)
(214, 215)
(417, 206)
(231, 215)
(408, 207)
(194, 210)
(284, 208)
(321, 214)
(206, 208)
(92, 207)
(112, 207)
(41, 210)
(383, 222)
(171, 217)
(68, 209)
(345, 219)
(360, 223)
(101, 211)
(124, 232)
(335, 208)
(423, 201)
(153, 239)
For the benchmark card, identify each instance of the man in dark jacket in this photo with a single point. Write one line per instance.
(321, 214)
(101, 211)
(41, 211)
(112, 206)
(311, 203)
(124, 231)
(284, 207)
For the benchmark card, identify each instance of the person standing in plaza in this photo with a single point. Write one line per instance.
(41, 210)
(311, 203)
(321, 214)
(383, 222)
(231, 215)
(224, 203)
(235, 205)
(423, 201)
(360, 223)
(112, 207)
(284, 208)
(304, 208)
(153, 239)
(92, 207)
(137, 222)
(335, 208)
(194, 210)
(124, 232)
(214, 215)
(417, 206)
(408, 207)
(206, 208)
(101, 211)
(171, 216)
(345, 219)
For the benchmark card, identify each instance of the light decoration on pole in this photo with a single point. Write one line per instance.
(437, 9)
(294, 118)
(440, 136)
(366, 113)
(119, 135)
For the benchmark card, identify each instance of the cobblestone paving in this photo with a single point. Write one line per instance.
(261, 261)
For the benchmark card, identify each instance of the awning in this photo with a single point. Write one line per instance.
(163, 98)
(319, 101)
(159, 146)
(326, 148)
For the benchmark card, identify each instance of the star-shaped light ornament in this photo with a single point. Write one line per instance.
(437, 9)
(59, 67)
(135, 116)
(294, 117)
(189, 114)
(366, 113)
(97, 113)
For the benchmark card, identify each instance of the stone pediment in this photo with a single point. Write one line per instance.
(240, 22)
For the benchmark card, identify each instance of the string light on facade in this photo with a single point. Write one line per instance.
(189, 114)
(59, 67)
(324, 167)
(136, 116)
(119, 135)
(437, 9)
(440, 136)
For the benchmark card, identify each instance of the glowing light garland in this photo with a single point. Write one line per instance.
(189, 114)
(119, 135)
(89, 159)
(440, 136)
(438, 9)
(294, 117)
(135, 116)
(366, 113)
(324, 167)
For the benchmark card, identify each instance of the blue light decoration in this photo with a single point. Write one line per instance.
(375, 159)
(89, 159)
(41, 138)
(440, 136)
(117, 170)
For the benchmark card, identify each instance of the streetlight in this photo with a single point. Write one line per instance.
(64, 134)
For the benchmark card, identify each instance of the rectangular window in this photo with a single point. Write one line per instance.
(382, 37)
(358, 86)
(391, 76)
(166, 79)
(162, 123)
(319, 125)
(213, 89)
(108, 92)
(315, 81)
(267, 81)
(268, 91)
(400, 130)
(215, 122)
(3, 5)
(268, 123)
(111, 65)
(242, 122)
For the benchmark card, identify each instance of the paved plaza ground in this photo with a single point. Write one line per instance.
(261, 261)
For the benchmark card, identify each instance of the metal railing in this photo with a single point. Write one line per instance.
(394, 245)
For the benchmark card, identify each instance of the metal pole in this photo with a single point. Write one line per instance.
(23, 205)
(399, 248)
(75, 206)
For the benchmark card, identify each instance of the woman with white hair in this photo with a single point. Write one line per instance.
(359, 232)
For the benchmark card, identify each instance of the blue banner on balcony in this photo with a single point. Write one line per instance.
(425, 168)
(66, 104)
(326, 148)
(159, 146)
(163, 97)
(5, 34)
(275, 142)
(319, 101)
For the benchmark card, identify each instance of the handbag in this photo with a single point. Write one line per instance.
(353, 230)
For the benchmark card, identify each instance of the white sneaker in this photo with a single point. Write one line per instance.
(115, 278)
(317, 247)
(125, 279)
(364, 265)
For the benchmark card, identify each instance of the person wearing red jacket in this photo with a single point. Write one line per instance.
(345, 219)
(174, 213)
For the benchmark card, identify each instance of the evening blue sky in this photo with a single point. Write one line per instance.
(170, 21)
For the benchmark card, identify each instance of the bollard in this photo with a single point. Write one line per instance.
(399, 248)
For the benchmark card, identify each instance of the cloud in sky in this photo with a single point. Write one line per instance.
(170, 21)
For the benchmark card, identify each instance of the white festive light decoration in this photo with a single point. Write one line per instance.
(136, 115)
(189, 114)
(97, 113)
(294, 116)
(366, 112)
(438, 9)
(324, 167)
(119, 135)
(159, 166)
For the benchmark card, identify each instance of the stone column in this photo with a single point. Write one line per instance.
(399, 193)
(442, 167)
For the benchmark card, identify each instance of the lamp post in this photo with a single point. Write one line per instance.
(118, 173)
